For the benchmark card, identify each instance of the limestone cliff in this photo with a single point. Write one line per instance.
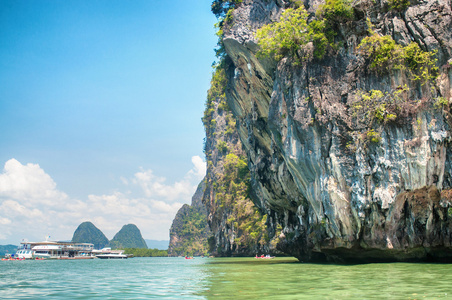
(190, 231)
(341, 186)
(238, 228)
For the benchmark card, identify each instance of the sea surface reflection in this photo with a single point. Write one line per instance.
(221, 278)
(286, 279)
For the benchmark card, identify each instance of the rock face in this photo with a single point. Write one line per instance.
(339, 193)
(88, 233)
(190, 231)
(238, 228)
(128, 237)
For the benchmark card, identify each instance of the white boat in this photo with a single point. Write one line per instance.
(24, 251)
(107, 253)
(55, 250)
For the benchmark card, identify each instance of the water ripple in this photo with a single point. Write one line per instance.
(223, 278)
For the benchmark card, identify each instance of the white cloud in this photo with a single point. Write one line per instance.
(117, 205)
(156, 187)
(163, 207)
(29, 183)
(31, 206)
(13, 208)
(5, 221)
(200, 168)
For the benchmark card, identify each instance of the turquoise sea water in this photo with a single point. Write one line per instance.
(220, 278)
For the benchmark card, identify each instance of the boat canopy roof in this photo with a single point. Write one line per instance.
(56, 243)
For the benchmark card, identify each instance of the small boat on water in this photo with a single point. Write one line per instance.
(107, 253)
(264, 257)
(11, 257)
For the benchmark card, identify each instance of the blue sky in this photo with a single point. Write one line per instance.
(100, 103)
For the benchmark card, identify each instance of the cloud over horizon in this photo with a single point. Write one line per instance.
(32, 207)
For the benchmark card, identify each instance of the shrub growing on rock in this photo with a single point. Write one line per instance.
(386, 55)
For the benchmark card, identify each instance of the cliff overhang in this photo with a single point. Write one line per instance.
(336, 188)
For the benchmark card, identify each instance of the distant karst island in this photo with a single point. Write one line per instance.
(128, 237)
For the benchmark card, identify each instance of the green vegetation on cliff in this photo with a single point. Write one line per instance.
(141, 252)
(215, 93)
(88, 233)
(293, 34)
(233, 195)
(299, 36)
(191, 232)
(399, 5)
(128, 237)
(290, 35)
(235, 218)
(398, 105)
(335, 11)
(386, 55)
(378, 107)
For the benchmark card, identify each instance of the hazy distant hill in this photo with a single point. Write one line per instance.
(7, 249)
(153, 244)
(128, 237)
(88, 233)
